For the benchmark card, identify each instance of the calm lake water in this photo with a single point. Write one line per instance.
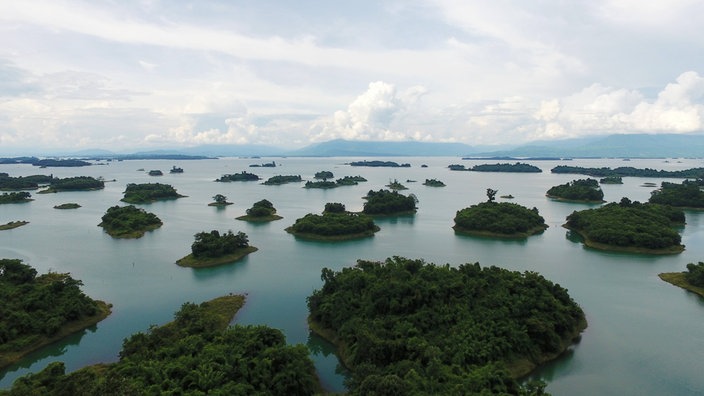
(645, 336)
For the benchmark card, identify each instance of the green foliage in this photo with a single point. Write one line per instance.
(320, 184)
(517, 167)
(324, 175)
(242, 176)
(334, 207)
(70, 162)
(220, 199)
(334, 224)
(149, 192)
(695, 274)
(611, 180)
(345, 181)
(395, 185)
(578, 190)
(128, 220)
(196, 355)
(77, 183)
(629, 224)
(277, 180)
(262, 208)
(491, 194)
(212, 244)
(37, 306)
(409, 327)
(376, 164)
(385, 202)
(15, 197)
(503, 218)
(629, 171)
(8, 182)
(433, 183)
(687, 194)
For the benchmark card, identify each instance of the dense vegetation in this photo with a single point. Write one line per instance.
(578, 190)
(261, 211)
(396, 185)
(129, 221)
(695, 274)
(499, 219)
(375, 164)
(345, 181)
(45, 163)
(688, 194)
(334, 223)
(629, 171)
(214, 244)
(611, 180)
(409, 327)
(242, 176)
(32, 182)
(196, 354)
(385, 202)
(78, 183)
(15, 197)
(433, 183)
(280, 179)
(36, 308)
(149, 192)
(324, 175)
(630, 225)
(219, 200)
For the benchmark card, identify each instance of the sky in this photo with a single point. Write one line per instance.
(127, 74)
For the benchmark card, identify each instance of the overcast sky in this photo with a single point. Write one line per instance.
(129, 74)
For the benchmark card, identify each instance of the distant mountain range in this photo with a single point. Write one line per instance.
(620, 146)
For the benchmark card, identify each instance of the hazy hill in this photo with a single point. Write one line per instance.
(340, 147)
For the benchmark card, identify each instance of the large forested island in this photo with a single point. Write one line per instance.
(517, 167)
(324, 183)
(196, 354)
(687, 194)
(10, 183)
(629, 171)
(38, 310)
(406, 327)
(212, 248)
(261, 211)
(582, 190)
(630, 227)
(499, 219)
(389, 203)
(282, 179)
(78, 183)
(334, 224)
(242, 176)
(149, 192)
(60, 163)
(128, 221)
(376, 164)
(15, 197)
(692, 279)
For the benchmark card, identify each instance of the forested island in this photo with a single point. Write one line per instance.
(335, 224)
(39, 310)
(60, 163)
(376, 164)
(582, 190)
(198, 353)
(389, 203)
(242, 176)
(692, 279)
(12, 224)
(324, 175)
(396, 186)
(78, 183)
(518, 167)
(630, 227)
(499, 219)
(10, 183)
(611, 180)
(68, 205)
(692, 173)
(282, 179)
(687, 194)
(15, 197)
(212, 248)
(149, 192)
(261, 211)
(433, 183)
(345, 181)
(128, 222)
(407, 327)
(219, 201)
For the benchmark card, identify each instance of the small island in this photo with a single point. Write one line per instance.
(39, 310)
(499, 219)
(611, 180)
(155, 172)
(12, 224)
(69, 205)
(271, 164)
(261, 211)
(198, 353)
(582, 190)
(128, 222)
(212, 248)
(335, 224)
(324, 175)
(78, 183)
(433, 183)
(631, 227)
(282, 179)
(376, 164)
(149, 192)
(345, 181)
(686, 195)
(395, 185)
(219, 201)
(176, 169)
(692, 279)
(15, 197)
(458, 330)
(242, 176)
(389, 203)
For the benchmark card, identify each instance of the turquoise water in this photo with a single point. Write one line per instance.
(645, 336)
